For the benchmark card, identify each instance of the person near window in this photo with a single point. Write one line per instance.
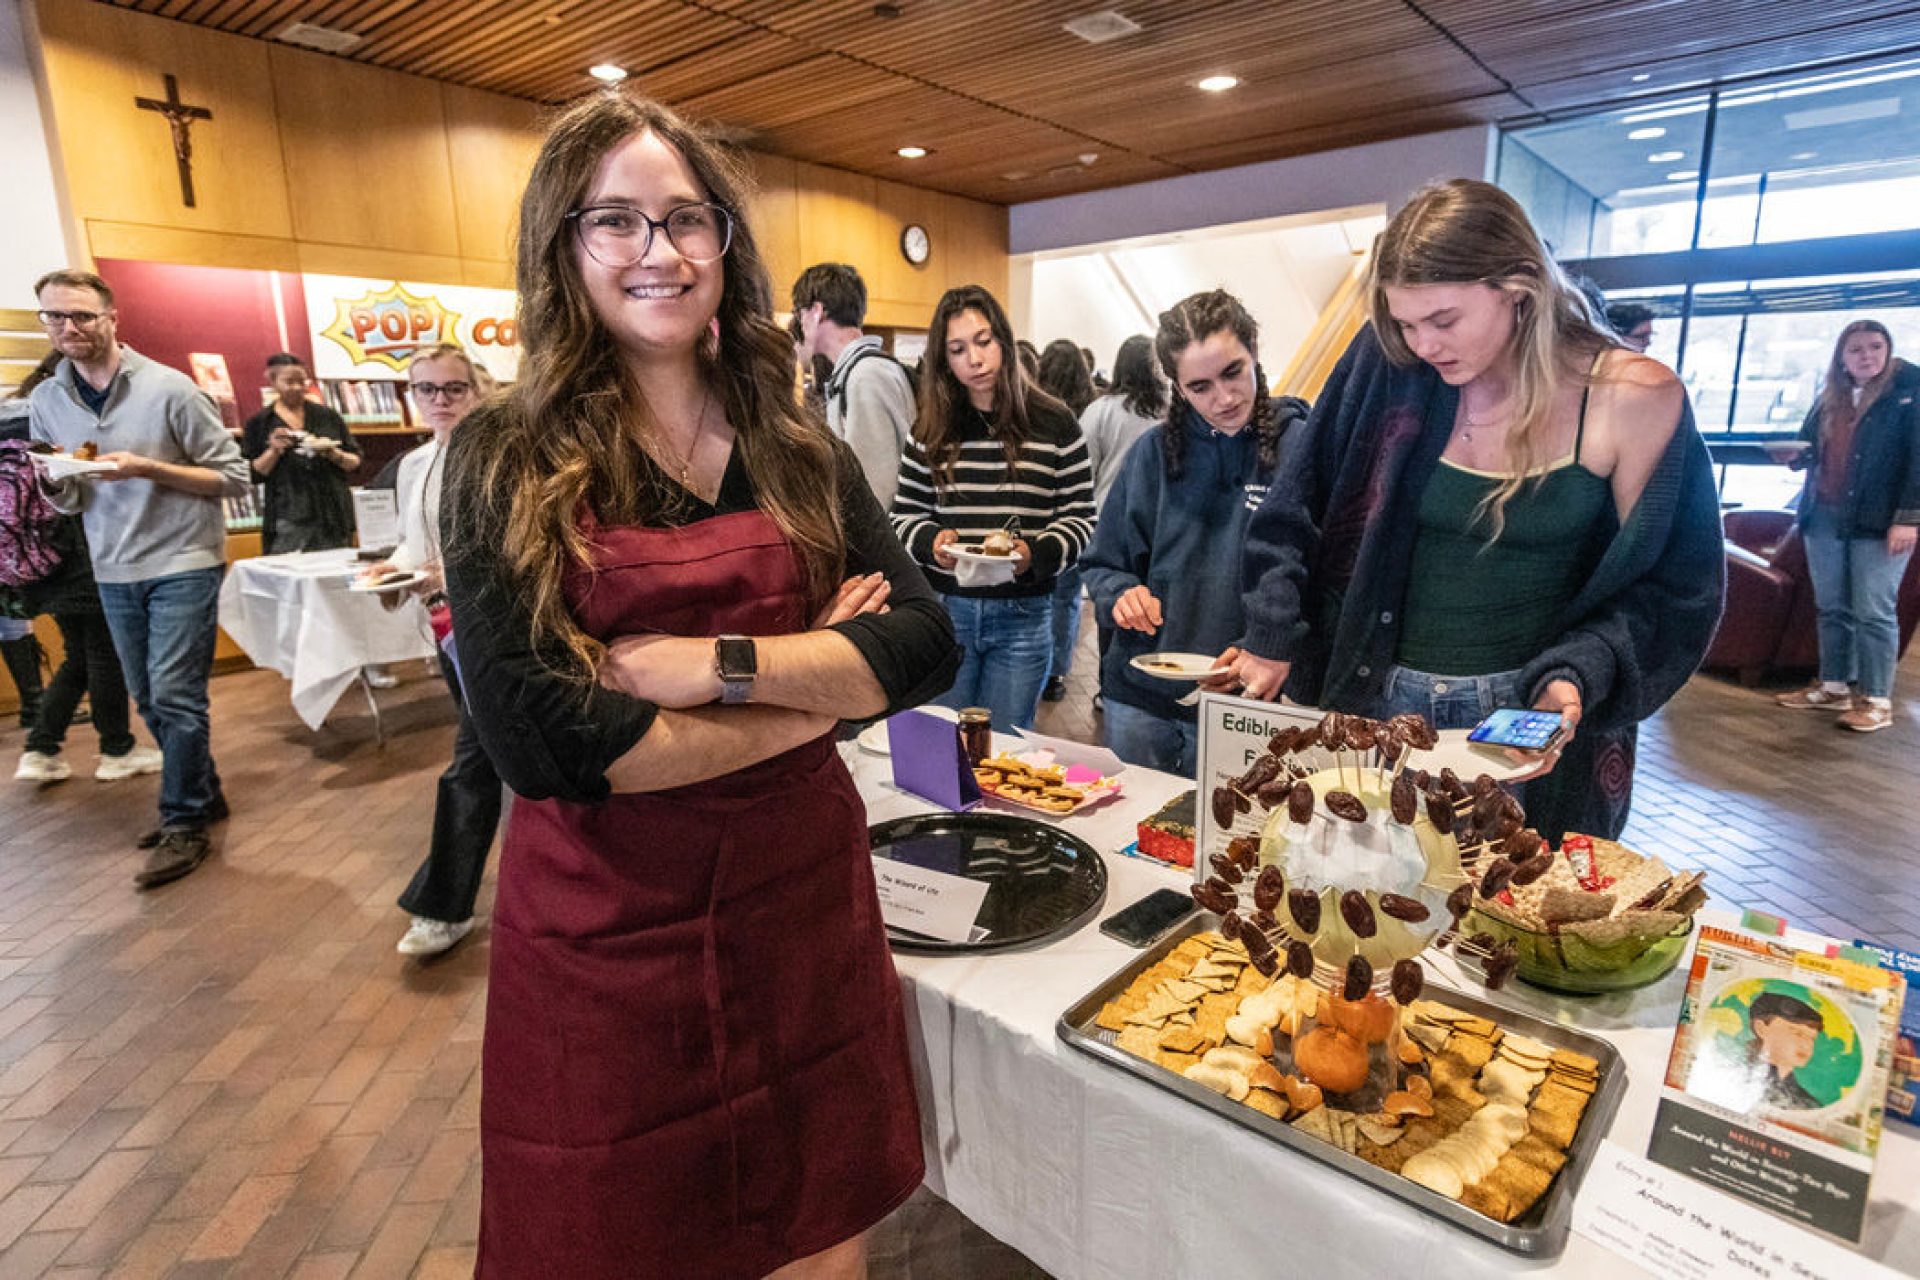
(1492, 505)
(997, 472)
(302, 451)
(669, 585)
(1164, 567)
(1859, 512)
(1633, 323)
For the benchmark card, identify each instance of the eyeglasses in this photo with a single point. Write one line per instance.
(437, 390)
(618, 235)
(79, 319)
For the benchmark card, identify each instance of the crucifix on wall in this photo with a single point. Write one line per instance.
(180, 118)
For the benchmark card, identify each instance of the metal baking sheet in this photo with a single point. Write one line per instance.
(1539, 1233)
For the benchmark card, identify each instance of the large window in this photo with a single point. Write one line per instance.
(1787, 171)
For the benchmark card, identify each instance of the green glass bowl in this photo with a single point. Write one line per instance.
(1568, 963)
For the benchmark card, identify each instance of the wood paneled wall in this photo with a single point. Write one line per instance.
(313, 163)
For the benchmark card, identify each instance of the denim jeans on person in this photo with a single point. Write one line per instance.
(1005, 646)
(1066, 621)
(1449, 702)
(164, 631)
(1856, 590)
(1143, 738)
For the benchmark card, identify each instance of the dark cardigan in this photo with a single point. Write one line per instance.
(1326, 564)
(1883, 467)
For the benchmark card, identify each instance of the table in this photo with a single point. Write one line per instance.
(1092, 1173)
(294, 614)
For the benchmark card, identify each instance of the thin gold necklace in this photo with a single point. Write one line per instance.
(699, 433)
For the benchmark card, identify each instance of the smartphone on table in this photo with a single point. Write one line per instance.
(1522, 730)
(1149, 919)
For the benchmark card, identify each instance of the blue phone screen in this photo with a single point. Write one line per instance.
(1527, 730)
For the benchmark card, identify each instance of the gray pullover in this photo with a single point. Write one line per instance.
(140, 529)
(870, 406)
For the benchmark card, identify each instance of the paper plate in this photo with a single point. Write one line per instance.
(381, 588)
(874, 738)
(972, 554)
(1174, 666)
(59, 466)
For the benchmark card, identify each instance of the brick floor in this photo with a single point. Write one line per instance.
(236, 1076)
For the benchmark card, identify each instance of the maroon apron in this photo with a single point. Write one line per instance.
(695, 1060)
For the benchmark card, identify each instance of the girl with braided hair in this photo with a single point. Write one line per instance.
(1165, 560)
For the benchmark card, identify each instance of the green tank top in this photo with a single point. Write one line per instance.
(1474, 608)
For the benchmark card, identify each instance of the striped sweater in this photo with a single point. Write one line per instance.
(1049, 501)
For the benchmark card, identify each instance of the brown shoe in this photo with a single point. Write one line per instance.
(1866, 717)
(1815, 697)
(181, 850)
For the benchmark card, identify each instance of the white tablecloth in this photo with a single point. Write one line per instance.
(294, 613)
(1093, 1173)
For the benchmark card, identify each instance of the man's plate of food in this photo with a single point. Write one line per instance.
(1176, 666)
(61, 465)
(389, 580)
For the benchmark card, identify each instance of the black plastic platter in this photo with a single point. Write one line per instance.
(1042, 882)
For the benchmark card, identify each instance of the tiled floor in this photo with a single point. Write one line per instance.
(235, 1076)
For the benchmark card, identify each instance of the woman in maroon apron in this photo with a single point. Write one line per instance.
(668, 586)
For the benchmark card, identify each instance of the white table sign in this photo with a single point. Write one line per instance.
(1676, 1227)
(376, 517)
(932, 903)
(1233, 733)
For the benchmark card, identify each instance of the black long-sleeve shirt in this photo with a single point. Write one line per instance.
(548, 740)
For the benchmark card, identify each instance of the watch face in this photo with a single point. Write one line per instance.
(916, 244)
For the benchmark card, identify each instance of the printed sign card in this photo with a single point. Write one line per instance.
(1777, 1079)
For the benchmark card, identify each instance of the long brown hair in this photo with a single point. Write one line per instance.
(1063, 374)
(1469, 232)
(1196, 318)
(1837, 406)
(561, 444)
(943, 399)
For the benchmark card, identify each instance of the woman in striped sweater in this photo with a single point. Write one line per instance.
(992, 453)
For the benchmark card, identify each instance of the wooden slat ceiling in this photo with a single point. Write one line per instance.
(1013, 105)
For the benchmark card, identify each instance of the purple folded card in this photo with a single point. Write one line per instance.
(928, 761)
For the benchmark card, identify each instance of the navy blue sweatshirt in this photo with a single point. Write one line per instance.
(1182, 538)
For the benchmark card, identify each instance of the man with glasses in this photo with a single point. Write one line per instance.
(156, 527)
(869, 394)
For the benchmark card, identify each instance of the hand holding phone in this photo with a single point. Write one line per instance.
(1530, 731)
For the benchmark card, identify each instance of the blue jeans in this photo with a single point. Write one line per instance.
(1449, 702)
(1066, 621)
(1143, 738)
(1856, 587)
(163, 629)
(1004, 649)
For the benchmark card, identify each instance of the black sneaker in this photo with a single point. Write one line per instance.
(1056, 690)
(216, 812)
(180, 852)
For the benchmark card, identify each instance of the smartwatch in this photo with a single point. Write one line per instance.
(733, 662)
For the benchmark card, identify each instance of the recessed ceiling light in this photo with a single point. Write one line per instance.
(1803, 155)
(607, 73)
(1684, 175)
(1217, 84)
(1647, 134)
(1642, 78)
(1665, 157)
(911, 153)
